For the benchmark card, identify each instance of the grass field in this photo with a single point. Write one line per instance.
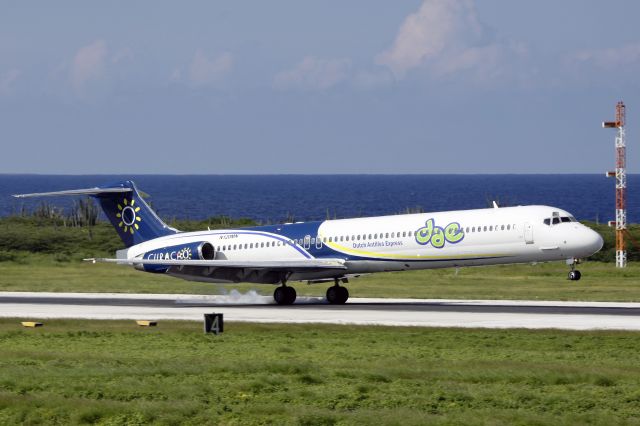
(110, 372)
(601, 281)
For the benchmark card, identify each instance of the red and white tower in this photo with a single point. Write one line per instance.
(621, 184)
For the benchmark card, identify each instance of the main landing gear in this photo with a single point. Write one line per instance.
(284, 295)
(337, 295)
(574, 274)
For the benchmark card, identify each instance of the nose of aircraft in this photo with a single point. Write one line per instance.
(592, 241)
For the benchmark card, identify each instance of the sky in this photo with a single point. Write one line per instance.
(317, 87)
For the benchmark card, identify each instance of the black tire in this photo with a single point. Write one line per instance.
(284, 295)
(290, 295)
(344, 295)
(574, 275)
(337, 295)
(279, 295)
(578, 275)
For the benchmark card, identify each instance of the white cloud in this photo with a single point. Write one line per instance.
(313, 74)
(207, 72)
(437, 26)
(608, 58)
(88, 64)
(445, 37)
(372, 79)
(7, 79)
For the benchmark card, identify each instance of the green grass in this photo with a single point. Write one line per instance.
(113, 372)
(600, 282)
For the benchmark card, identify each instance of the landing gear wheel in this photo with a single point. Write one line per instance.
(284, 295)
(574, 275)
(337, 295)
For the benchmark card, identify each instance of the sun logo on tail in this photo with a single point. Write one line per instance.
(128, 216)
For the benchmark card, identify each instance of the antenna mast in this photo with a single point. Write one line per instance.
(621, 184)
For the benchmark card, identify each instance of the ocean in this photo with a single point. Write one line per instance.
(278, 198)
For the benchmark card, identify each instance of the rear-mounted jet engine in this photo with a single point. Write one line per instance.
(201, 250)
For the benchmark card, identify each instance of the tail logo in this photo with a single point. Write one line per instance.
(129, 217)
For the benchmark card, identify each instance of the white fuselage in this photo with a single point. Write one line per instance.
(390, 243)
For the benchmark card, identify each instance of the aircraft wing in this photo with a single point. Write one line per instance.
(88, 191)
(274, 265)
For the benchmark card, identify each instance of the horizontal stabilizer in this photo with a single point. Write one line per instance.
(249, 264)
(87, 191)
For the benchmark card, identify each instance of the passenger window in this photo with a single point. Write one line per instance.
(473, 229)
(502, 228)
(508, 227)
(387, 235)
(484, 229)
(491, 228)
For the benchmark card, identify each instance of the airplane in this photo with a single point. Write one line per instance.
(332, 251)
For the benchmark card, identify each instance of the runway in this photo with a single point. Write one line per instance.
(252, 307)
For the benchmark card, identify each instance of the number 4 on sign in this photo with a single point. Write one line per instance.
(213, 323)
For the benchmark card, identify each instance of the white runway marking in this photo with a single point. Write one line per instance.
(392, 312)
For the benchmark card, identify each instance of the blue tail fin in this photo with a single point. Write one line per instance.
(133, 219)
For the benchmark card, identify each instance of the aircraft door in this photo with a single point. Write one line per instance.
(307, 242)
(528, 233)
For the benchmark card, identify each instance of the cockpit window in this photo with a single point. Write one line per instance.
(556, 220)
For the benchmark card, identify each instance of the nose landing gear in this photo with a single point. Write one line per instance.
(574, 274)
